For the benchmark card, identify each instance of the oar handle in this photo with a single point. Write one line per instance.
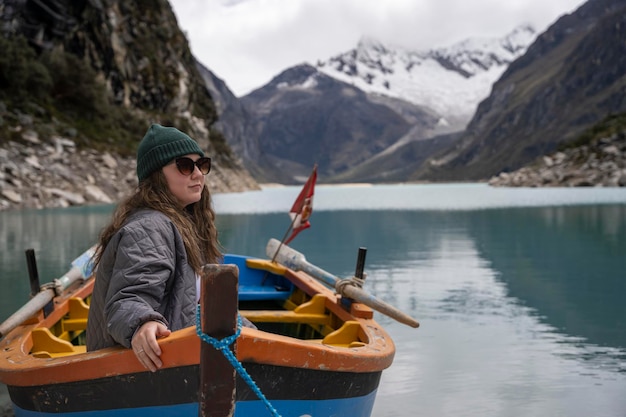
(363, 297)
(29, 309)
(293, 259)
(80, 266)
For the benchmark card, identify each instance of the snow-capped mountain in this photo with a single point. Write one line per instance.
(451, 81)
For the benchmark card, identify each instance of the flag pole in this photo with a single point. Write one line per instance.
(284, 237)
(279, 246)
(307, 192)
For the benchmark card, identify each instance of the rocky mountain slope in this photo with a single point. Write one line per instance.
(304, 117)
(237, 124)
(596, 158)
(80, 83)
(571, 77)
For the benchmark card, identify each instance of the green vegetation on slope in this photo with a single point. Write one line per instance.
(609, 126)
(58, 87)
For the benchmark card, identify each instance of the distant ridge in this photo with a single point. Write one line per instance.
(374, 106)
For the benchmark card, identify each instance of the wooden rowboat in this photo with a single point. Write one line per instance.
(313, 353)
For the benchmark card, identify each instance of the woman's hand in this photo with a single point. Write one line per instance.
(145, 344)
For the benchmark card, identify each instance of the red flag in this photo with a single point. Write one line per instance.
(303, 207)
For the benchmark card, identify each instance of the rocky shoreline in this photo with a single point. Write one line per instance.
(38, 174)
(55, 173)
(599, 164)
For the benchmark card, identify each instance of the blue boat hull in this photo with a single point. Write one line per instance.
(357, 406)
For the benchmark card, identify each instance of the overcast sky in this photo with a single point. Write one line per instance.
(248, 42)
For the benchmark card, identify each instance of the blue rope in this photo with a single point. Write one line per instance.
(223, 346)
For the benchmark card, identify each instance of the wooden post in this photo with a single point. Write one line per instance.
(360, 264)
(33, 275)
(219, 298)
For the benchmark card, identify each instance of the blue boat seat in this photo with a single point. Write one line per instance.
(259, 280)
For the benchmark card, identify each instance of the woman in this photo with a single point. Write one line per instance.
(150, 256)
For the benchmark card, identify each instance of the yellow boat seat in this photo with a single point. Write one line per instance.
(311, 312)
(47, 345)
(77, 315)
(345, 336)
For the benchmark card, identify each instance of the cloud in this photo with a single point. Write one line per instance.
(247, 42)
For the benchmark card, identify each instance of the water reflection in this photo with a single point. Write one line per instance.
(565, 263)
(58, 236)
(483, 349)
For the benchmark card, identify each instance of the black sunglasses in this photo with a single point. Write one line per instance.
(186, 166)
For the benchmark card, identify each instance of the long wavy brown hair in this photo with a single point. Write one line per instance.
(196, 223)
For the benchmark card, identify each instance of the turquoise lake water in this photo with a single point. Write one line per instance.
(519, 292)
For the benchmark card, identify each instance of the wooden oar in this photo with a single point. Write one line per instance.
(79, 271)
(293, 259)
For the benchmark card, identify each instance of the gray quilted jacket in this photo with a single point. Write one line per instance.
(143, 275)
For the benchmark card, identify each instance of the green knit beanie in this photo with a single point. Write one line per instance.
(161, 145)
